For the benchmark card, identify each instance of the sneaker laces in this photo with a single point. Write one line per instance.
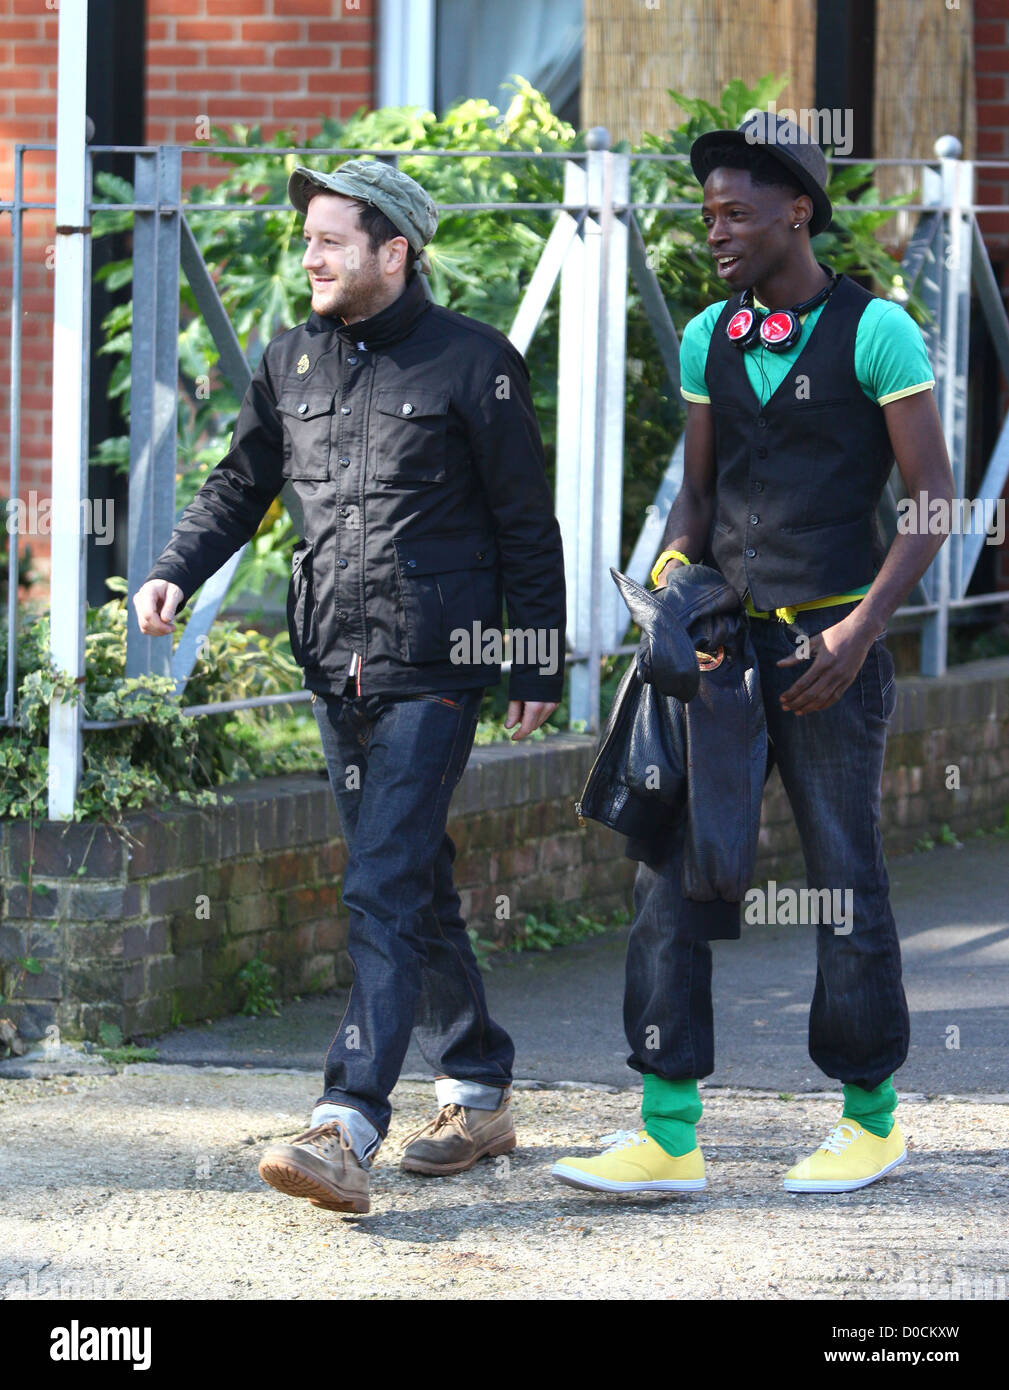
(621, 1139)
(448, 1114)
(838, 1139)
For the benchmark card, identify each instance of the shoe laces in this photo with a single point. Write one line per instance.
(621, 1139)
(447, 1115)
(840, 1137)
(325, 1136)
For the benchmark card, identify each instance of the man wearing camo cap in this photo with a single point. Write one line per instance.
(408, 433)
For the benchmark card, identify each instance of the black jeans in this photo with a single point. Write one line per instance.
(393, 764)
(831, 764)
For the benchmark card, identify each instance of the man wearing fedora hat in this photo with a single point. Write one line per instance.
(802, 390)
(409, 435)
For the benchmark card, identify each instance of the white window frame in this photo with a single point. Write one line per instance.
(406, 30)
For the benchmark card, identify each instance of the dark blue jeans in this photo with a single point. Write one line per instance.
(831, 764)
(393, 765)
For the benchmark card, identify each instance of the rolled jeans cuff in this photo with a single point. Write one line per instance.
(363, 1135)
(473, 1094)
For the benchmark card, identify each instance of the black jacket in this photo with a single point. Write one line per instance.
(683, 743)
(412, 443)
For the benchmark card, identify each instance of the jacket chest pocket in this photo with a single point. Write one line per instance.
(308, 421)
(447, 583)
(409, 430)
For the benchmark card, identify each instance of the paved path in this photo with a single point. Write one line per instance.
(563, 1008)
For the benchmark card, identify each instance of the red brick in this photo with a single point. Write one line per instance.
(309, 107)
(28, 7)
(201, 81)
(175, 7)
(21, 29)
(991, 60)
(18, 77)
(359, 57)
(301, 56)
(354, 83)
(204, 30)
(992, 87)
(166, 81)
(351, 31)
(303, 8)
(228, 108)
(157, 31)
(241, 8)
(991, 33)
(989, 9)
(170, 106)
(266, 31)
(349, 107)
(273, 82)
(33, 55)
(174, 55)
(990, 142)
(236, 55)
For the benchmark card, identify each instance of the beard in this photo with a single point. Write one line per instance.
(355, 295)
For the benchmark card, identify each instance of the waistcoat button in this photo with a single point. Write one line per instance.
(750, 551)
(342, 564)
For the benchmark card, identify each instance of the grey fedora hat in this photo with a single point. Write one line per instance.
(788, 143)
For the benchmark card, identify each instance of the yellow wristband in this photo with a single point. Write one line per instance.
(663, 560)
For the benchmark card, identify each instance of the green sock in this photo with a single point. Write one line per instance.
(669, 1110)
(872, 1109)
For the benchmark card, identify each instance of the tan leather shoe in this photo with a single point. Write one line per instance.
(319, 1164)
(457, 1138)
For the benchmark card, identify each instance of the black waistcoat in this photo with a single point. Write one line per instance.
(798, 479)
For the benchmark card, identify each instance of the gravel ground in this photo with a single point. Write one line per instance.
(146, 1182)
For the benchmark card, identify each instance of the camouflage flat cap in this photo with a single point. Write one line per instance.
(400, 197)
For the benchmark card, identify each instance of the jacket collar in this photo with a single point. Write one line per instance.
(387, 326)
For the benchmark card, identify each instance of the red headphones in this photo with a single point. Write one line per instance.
(779, 330)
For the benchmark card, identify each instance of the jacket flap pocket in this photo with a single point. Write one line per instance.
(439, 554)
(306, 405)
(407, 402)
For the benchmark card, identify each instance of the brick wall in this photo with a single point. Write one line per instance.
(281, 64)
(161, 928)
(991, 58)
(284, 64)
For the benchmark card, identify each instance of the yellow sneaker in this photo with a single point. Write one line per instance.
(633, 1163)
(848, 1158)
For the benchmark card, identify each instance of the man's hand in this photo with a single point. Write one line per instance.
(666, 571)
(532, 714)
(837, 654)
(155, 603)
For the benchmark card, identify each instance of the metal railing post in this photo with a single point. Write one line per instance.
(954, 272)
(70, 415)
(154, 368)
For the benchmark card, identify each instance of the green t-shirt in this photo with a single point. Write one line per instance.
(891, 359)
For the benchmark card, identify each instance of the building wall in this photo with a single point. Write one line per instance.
(284, 64)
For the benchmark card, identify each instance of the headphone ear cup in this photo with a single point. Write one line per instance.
(743, 329)
(780, 331)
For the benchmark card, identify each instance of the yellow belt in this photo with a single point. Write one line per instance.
(787, 615)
